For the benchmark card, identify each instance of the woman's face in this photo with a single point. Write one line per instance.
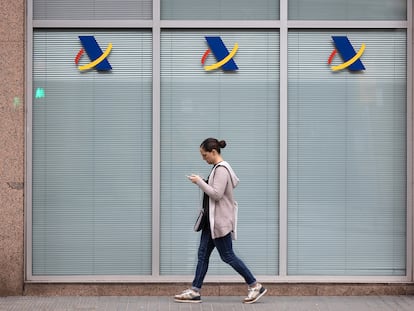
(208, 156)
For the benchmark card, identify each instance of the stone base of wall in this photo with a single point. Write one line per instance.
(216, 289)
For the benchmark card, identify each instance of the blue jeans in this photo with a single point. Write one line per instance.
(224, 246)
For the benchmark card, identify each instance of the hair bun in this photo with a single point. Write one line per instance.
(222, 143)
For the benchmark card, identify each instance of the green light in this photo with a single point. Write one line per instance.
(40, 93)
(16, 102)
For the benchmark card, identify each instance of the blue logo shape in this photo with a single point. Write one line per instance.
(351, 58)
(95, 53)
(221, 53)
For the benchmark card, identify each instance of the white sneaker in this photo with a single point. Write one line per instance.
(189, 295)
(254, 293)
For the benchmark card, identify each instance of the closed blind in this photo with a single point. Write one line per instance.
(240, 107)
(92, 9)
(347, 156)
(348, 10)
(220, 9)
(92, 156)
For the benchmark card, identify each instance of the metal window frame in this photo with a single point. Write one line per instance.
(157, 25)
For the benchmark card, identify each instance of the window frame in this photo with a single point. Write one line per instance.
(156, 25)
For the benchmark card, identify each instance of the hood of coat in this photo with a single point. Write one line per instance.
(234, 179)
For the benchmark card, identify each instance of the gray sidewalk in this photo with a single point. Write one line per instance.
(210, 303)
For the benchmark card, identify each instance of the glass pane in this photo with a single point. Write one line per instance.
(347, 156)
(220, 9)
(348, 10)
(92, 156)
(240, 106)
(92, 9)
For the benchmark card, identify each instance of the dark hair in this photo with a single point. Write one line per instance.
(210, 144)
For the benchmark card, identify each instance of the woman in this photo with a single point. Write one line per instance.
(220, 227)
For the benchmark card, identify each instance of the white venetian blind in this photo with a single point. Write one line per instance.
(240, 107)
(347, 149)
(347, 10)
(92, 156)
(220, 9)
(92, 9)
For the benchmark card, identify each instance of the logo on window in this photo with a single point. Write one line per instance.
(223, 56)
(98, 58)
(351, 58)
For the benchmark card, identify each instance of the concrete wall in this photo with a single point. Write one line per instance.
(218, 289)
(12, 43)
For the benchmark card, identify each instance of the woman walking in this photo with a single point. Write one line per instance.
(219, 228)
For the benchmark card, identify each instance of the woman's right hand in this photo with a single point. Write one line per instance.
(194, 178)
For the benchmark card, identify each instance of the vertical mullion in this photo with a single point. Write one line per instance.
(283, 138)
(410, 211)
(28, 210)
(156, 50)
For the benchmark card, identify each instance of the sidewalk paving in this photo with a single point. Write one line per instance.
(210, 303)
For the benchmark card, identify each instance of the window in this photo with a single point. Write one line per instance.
(92, 9)
(219, 10)
(241, 107)
(348, 10)
(347, 157)
(92, 156)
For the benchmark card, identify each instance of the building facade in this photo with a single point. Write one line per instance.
(105, 104)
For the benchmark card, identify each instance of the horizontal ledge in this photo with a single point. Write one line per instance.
(218, 279)
(218, 24)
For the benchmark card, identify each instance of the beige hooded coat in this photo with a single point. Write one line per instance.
(222, 206)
